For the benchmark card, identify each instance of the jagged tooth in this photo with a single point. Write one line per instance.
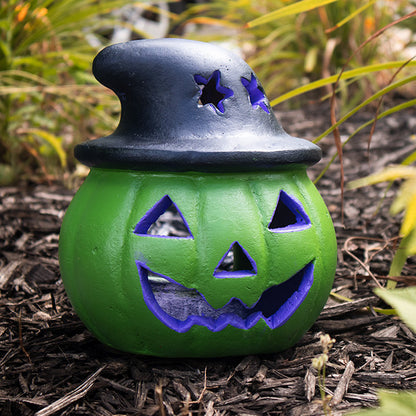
(277, 319)
(187, 324)
(204, 321)
(253, 319)
(221, 322)
(237, 321)
(232, 304)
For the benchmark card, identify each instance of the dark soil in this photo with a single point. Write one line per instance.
(50, 364)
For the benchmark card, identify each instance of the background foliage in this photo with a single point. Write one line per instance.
(405, 203)
(48, 98)
(289, 50)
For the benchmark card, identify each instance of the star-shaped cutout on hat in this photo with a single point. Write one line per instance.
(256, 93)
(212, 92)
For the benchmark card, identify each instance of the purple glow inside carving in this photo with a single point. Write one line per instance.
(288, 215)
(212, 92)
(153, 214)
(180, 308)
(245, 266)
(256, 93)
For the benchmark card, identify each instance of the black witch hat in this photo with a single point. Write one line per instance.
(189, 106)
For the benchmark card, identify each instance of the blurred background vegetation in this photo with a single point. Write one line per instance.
(291, 50)
(49, 100)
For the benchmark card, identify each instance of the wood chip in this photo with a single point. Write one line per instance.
(236, 399)
(389, 332)
(381, 378)
(71, 397)
(388, 364)
(35, 401)
(310, 384)
(339, 325)
(6, 273)
(346, 307)
(343, 384)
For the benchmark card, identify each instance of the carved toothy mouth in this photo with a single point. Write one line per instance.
(179, 307)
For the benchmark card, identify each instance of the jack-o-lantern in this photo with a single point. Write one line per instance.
(252, 260)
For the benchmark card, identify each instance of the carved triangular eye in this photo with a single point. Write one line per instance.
(236, 262)
(289, 215)
(164, 219)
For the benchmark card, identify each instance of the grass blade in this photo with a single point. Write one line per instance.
(350, 16)
(298, 7)
(366, 102)
(353, 73)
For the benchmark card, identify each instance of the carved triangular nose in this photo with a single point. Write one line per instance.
(235, 263)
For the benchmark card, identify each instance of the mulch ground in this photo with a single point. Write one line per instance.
(50, 364)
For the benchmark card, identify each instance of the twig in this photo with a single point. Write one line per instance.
(338, 144)
(407, 280)
(380, 102)
(22, 347)
(159, 399)
(36, 155)
(363, 265)
(204, 389)
(71, 397)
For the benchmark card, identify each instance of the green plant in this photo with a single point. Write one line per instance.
(397, 403)
(405, 201)
(48, 98)
(393, 403)
(404, 302)
(319, 363)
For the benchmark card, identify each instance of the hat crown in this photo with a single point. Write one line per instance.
(160, 82)
(188, 105)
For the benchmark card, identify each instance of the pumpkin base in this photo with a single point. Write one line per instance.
(106, 255)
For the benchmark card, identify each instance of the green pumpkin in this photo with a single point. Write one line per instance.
(254, 263)
(169, 296)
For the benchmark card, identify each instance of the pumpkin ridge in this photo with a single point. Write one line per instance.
(83, 204)
(265, 246)
(127, 246)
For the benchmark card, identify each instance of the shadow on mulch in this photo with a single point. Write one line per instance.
(50, 364)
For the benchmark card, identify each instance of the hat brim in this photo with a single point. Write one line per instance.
(242, 154)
